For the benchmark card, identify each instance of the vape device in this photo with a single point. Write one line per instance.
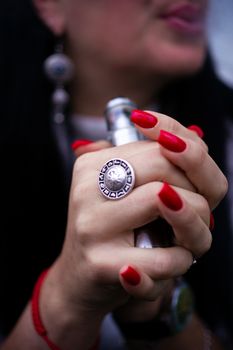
(122, 131)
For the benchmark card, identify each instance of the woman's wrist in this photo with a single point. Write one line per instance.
(68, 326)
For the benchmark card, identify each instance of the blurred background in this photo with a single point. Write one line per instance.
(220, 31)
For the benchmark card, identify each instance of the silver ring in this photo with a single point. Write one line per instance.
(116, 179)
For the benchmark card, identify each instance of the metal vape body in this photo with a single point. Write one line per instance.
(120, 128)
(122, 131)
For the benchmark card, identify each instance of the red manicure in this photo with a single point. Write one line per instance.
(171, 142)
(211, 226)
(197, 130)
(130, 276)
(143, 119)
(78, 143)
(170, 198)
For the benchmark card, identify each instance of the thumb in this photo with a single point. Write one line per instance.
(80, 147)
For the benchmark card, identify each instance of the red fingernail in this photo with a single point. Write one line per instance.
(197, 130)
(171, 142)
(78, 143)
(211, 226)
(170, 198)
(131, 276)
(143, 119)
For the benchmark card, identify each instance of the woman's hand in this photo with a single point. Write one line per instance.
(189, 168)
(99, 243)
(104, 229)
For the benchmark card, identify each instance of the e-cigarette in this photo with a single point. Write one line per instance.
(122, 131)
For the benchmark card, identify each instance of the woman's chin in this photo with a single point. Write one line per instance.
(183, 63)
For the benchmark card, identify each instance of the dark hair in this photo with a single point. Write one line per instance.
(25, 44)
(31, 182)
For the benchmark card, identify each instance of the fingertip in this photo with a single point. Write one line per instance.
(212, 222)
(79, 143)
(170, 197)
(143, 119)
(130, 275)
(171, 142)
(197, 130)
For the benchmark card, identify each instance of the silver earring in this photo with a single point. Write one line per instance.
(59, 68)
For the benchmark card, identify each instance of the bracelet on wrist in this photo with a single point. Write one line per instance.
(36, 318)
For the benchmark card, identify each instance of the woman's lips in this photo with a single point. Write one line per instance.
(185, 18)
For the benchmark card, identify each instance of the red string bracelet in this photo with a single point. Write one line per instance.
(39, 327)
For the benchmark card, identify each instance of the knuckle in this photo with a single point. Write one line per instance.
(82, 162)
(220, 192)
(78, 165)
(203, 144)
(90, 229)
(93, 264)
(86, 228)
(198, 158)
(204, 208)
(223, 188)
(79, 194)
(172, 125)
(82, 190)
(100, 268)
(82, 228)
(206, 243)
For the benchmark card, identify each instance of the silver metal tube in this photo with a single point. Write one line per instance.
(122, 131)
